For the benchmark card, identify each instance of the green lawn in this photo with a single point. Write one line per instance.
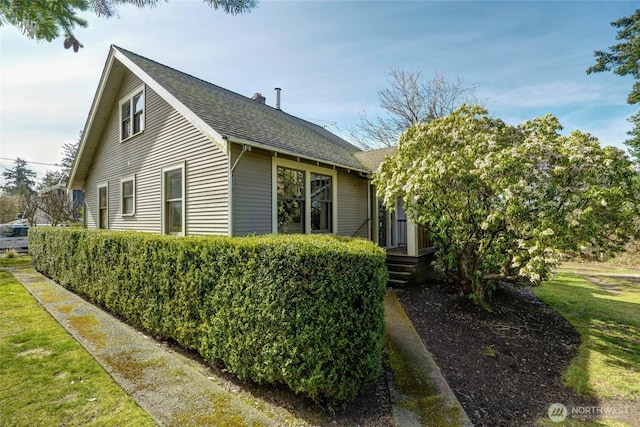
(48, 379)
(14, 262)
(606, 312)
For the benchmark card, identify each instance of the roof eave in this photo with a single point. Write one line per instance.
(88, 127)
(273, 149)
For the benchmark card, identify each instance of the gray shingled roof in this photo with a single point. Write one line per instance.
(372, 159)
(234, 115)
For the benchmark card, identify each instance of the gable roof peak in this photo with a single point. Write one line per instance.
(239, 117)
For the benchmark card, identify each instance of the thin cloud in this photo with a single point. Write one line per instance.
(542, 95)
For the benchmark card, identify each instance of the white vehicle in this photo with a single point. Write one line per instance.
(14, 236)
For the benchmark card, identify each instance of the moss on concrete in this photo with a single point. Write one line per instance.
(86, 326)
(126, 365)
(51, 297)
(417, 384)
(66, 309)
(223, 413)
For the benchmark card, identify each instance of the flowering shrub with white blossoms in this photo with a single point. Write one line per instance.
(503, 202)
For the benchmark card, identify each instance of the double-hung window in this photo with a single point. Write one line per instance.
(291, 206)
(128, 196)
(173, 191)
(321, 203)
(103, 206)
(132, 114)
(304, 198)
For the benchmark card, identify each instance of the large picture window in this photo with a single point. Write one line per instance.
(304, 198)
(173, 199)
(132, 114)
(103, 206)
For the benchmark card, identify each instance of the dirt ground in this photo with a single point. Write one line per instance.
(505, 367)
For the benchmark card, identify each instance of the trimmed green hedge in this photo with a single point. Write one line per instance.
(304, 311)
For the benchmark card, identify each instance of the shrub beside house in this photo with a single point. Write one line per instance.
(303, 311)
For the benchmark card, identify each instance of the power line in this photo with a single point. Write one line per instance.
(35, 163)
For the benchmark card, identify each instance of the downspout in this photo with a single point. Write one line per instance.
(369, 203)
(245, 148)
(84, 207)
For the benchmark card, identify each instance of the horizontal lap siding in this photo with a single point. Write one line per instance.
(168, 139)
(352, 205)
(251, 193)
(252, 188)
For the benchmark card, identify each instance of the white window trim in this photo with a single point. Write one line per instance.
(129, 99)
(98, 187)
(122, 181)
(308, 170)
(182, 166)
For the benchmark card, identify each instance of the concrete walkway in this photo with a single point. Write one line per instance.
(173, 389)
(176, 390)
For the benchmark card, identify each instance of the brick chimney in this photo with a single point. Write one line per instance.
(258, 98)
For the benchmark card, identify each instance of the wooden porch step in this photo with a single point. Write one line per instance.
(409, 270)
(400, 275)
(401, 267)
(396, 283)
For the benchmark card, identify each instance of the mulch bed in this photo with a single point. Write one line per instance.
(504, 366)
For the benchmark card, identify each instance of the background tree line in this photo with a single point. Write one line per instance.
(24, 196)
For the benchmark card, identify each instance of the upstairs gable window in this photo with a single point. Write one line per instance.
(132, 114)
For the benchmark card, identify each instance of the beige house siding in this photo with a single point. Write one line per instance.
(251, 192)
(167, 139)
(352, 205)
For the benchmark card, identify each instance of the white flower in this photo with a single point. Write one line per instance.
(548, 232)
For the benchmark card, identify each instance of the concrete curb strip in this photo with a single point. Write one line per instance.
(420, 396)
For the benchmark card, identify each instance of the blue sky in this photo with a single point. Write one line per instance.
(525, 59)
